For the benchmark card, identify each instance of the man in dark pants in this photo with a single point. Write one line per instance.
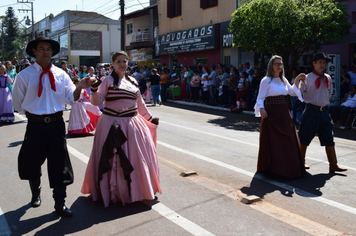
(41, 92)
(316, 90)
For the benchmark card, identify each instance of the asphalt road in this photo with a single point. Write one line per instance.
(222, 149)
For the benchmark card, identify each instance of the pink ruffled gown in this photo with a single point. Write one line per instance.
(124, 110)
(83, 116)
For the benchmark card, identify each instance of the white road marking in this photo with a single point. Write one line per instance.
(159, 207)
(290, 188)
(267, 208)
(180, 220)
(243, 142)
(4, 227)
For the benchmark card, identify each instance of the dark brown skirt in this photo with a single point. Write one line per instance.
(279, 150)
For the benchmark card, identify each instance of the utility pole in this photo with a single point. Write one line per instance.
(27, 10)
(2, 38)
(122, 18)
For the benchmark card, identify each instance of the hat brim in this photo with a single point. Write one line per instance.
(315, 59)
(32, 45)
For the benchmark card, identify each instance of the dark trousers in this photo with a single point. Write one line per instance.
(46, 141)
(164, 92)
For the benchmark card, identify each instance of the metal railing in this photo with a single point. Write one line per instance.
(140, 37)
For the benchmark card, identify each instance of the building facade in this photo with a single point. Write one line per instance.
(85, 38)
(141, 30)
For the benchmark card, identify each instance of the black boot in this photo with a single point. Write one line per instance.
(35, 186)
(59, 195)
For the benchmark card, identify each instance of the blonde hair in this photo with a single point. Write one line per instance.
(270, 69)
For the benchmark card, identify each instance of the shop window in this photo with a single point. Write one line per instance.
(354, 17)
(85, 41)
(174, 8)
(129, 28)
(200, 61)
(63, 42)
(208, 3)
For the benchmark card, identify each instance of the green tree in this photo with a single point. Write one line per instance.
(289, 28)
(12, 34)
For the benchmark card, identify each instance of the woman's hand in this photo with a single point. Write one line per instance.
(155, 120)
(300, 77)
(263, 113)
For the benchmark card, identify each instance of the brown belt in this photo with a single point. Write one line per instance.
(48, 118)
(323, 108)
(276, 100)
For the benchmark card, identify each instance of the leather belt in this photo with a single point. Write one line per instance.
(323, 108)
(48, 118)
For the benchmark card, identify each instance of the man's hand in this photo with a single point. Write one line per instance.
(86, 82)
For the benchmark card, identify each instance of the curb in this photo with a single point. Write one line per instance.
(193, 104)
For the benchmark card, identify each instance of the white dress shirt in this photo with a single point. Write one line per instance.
(276, 87)
(25, 91)
(316, 96)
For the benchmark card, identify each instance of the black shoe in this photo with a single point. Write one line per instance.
(36, 201)
(63, 211)
(36, 192)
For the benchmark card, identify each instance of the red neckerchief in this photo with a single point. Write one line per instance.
(51, 79)
(318, 80)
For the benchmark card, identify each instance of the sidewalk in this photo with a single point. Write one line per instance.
(194, 104)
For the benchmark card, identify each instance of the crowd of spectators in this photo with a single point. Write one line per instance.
(218, 85)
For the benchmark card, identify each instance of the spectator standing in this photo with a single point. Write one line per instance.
(317, 90)
(137, 75)
(10, 71)
(243, 86)
(83, 72)
(64, 67)
(195, 84)
(279, 150)
(154, 83)
(164, 78)
(189, 79)
(352, 74)
(232, 84)
(345, 80)
(225, 88)
(6, 111)
(74, 74)
(213, 81)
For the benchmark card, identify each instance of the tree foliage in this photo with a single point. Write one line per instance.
(13, 43)
(289, 28)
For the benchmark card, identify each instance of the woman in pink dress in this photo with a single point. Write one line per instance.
(123, 164)
(83, 115)
(6, 110)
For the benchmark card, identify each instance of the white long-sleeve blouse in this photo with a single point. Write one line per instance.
(275, 87)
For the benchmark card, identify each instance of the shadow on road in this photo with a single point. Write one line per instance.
(86, 213)
(246, 122)
(307, 186)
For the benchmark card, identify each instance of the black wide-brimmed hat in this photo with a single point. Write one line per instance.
(319, 56)
(32, 45)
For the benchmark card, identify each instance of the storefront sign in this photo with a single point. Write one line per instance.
(57, 24)
(142, 54)
(191, 40)
(333, 69)
(227, 37)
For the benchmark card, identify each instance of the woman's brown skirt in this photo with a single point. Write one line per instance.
(279, 150)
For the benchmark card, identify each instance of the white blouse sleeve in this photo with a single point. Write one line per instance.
(294, 91)
(262, 94)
